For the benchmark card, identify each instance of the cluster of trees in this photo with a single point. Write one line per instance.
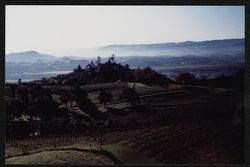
(85, 104)
(149, 76)
(128, 93)
(131, 95)
(235, 81)
(32, 101)
(28, 104)
(109, 71)
(184, 78)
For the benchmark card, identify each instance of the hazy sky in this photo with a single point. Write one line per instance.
(68, 30)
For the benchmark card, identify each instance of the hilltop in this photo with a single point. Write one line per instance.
(109, 71)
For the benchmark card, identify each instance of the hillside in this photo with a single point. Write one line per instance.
(29, 56)
(170, 123)
(101, 72)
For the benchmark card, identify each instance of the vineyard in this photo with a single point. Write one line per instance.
(210, 141)
(174, 125)
(177, 144)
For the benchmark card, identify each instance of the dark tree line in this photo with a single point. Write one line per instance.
(27, 104)
(32, 101)
(235, 81)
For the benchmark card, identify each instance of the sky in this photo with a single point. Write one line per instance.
(72, 30)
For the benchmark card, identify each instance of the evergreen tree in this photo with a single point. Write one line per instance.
(104, 97)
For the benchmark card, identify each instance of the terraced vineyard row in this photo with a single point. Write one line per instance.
(108, 137)
(51, 141)
(180, 143)
(207, 141)
(100, 138)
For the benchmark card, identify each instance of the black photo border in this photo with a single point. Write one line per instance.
(126, 2)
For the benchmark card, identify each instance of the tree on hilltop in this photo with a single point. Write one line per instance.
(131, 95)
(78, 69)
(184, 78)
(105, 97)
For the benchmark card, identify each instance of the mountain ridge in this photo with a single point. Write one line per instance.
(228, 46)
(29, 56)
(175, 43)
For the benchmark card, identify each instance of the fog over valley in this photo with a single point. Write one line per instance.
(213, 57)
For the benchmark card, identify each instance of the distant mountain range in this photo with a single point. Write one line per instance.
(168, 58)
(29, 56)
(226, 46)
(208, 43)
